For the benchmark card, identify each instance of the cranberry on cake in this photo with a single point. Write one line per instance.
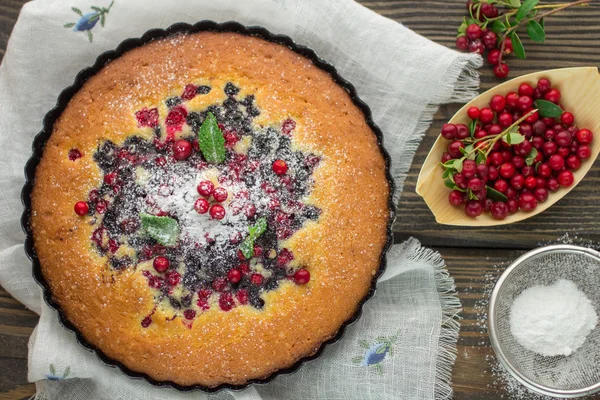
(210, 208)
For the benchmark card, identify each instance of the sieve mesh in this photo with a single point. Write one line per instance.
(558, 375)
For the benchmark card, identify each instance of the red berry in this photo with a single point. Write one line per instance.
(217, 211)
(242, 296)
(549, 148)
(176, 116)
(483, 171)
(146, 117)
(525, 89)
(544, 85)
(473, 31)
(537, 142)
(454, 149)
(201, 206)
(489, 38)
(498, 103)
(567, 118)
(488, 10)
(473, 112)
(463, 131)
(486, 115)
(518, 162)
(495, 129)
(501, 70)
(525, 103)
(476, 46)
(302, 276)
(288, 126)
(501, 185)
(584, 136)
(530, 183)
(234, 275)
(552, 184)
(473, 209)
(523, 148)
(101, 206)
(204, 293)
(74, 154)
(219, 284)
(249, 210)
(230, 139)
(206, 188)
(526, 130)
(449, 131)
(220, 194)
(512, 99)
(189, 314)
(552, 95)
(556, 162)
(533, 118)
(161, 264)
(456, 198)
(462, 43)
(469, 169)
(81, 208)
(541, 194)
(508, 47)
(189, 92)
(499, 210)
(146, 322)
(475, 184)
(494, 57)
(565, 178)
(496, 158)
(280, 167)
(446, 157)
(527, 202)
(505, 119)
(513, 205)
(460, 180)
(226, 301)
(507, 170)
(173, 278)
(256, 279)
(182, 149)
(563, 138)
(584, 152)
(544, 170)
(517, 181)
(527, 170)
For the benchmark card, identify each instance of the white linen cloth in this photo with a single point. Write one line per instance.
(401, 75)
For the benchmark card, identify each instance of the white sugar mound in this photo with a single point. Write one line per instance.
(552, 320)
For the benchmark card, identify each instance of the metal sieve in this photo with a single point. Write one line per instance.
(576, 375)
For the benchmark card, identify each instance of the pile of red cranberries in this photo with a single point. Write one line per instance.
(503, 178)
(478, 40)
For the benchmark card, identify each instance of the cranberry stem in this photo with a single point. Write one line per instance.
(559, 7)
(507, 130)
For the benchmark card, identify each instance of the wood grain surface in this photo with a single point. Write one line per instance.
(474, 256)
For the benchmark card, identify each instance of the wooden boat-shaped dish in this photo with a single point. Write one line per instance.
(580, 90)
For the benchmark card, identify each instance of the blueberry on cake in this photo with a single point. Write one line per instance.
(210, 208)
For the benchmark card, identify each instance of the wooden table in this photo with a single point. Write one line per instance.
(471, 254)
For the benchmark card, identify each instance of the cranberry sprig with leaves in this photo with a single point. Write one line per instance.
(494, 25)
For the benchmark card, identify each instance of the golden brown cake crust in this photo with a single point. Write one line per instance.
(342, 249)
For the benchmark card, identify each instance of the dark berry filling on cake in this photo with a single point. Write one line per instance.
(202, 212)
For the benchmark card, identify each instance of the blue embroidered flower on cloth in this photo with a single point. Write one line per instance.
(375, 353)
(52, 376)
(87, 22)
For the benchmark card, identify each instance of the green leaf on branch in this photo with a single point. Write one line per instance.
(495, 195)
(463, 27)
(513, 137)
(547, 109)
(481, 158)
(77, 11)
(515, 3)
(525, 9)
(517, 46)
(497, 26)
(471, 195)
(69, 25)
(254, 231)
(536, 31)
(472, 127)
(449, 184)
(531, 157)
(458, 164)
(446, 174)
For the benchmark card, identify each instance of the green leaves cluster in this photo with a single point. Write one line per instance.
(164, 230)
(254, 231)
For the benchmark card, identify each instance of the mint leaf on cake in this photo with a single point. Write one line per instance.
(211, 140)
(164, 230)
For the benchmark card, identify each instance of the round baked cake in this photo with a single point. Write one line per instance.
(210, 208)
